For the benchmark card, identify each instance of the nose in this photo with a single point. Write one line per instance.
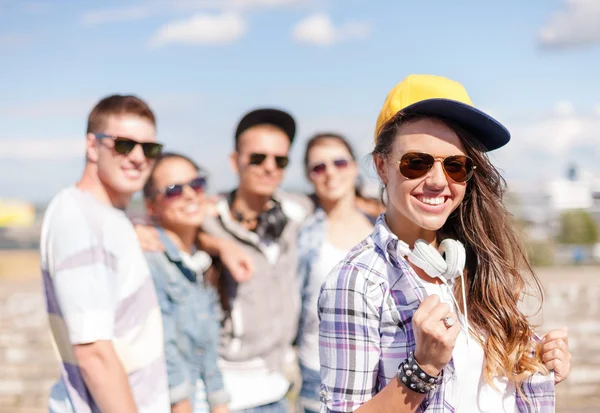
(188, 192)
(436, 177)
(137, 155)
(269, 164)
(330, 169)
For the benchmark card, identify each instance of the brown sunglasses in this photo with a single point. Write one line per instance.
(415, 165)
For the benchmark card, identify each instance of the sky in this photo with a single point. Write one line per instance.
(202, 64)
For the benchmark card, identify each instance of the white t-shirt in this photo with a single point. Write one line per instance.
(98, 286)
(470, 390)
(308, 351)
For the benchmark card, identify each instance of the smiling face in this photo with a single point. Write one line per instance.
(331, 170)
(122, 175)
(176, 212)
(260, 178)
(419, 207)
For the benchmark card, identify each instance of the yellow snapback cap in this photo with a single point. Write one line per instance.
(438, 96)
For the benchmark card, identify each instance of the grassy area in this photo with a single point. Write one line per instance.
(20, 264)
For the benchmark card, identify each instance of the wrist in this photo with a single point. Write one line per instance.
(414, 378)
(428, 368)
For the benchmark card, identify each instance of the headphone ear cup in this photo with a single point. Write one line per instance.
(455, 254)
(428, 259)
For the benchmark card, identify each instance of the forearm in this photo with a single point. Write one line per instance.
(394, 398)
(184, 406)
(210, 244)
(105, 377)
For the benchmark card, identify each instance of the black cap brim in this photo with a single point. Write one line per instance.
(487, 130)
(276, 117)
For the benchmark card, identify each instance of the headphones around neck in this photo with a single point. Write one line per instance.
(447, 262)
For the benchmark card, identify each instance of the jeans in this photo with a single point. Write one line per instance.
(281, 406)
(309, 400)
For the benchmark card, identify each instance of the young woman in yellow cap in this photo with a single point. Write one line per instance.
(423, 315)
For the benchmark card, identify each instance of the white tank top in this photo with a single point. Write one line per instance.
(470, 390)
(329, 257)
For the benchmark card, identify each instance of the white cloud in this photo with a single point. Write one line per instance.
(201, 29)
(42, 149)
(559, 132)
(564, 108)
(542, 147)
(577, 24)
(98, 17)
(48, 108)
(36, 7)
(13, 40)
(319, 30)
(144, 10)
(230, 4)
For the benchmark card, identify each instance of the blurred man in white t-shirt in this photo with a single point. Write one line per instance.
(103, 312)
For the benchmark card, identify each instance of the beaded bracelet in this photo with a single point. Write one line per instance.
(415, 378)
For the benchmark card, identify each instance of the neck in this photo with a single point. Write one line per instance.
(340, 208)
(249, 204)
(407, 230)
(90, 182)
(184, 238)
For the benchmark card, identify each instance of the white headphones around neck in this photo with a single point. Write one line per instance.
(447, 262)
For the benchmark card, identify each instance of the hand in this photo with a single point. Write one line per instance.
(222, 408)
(434, 341)
(209, 206)
(148, 238)
(556, 355)
(184, 406)
(236, 260)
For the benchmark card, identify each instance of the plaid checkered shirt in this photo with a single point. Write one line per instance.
(365, 331)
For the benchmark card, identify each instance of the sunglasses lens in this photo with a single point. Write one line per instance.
(340, 163)
(282, 161)
(415, 165)
(152, 150)
(257, 158)
(124, 146)
(459, 168)
(173, 191)
(319, 168)
(198, 184)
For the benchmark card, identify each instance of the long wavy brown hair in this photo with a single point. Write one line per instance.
(497, 273)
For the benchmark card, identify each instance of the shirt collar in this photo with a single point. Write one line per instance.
(387, 242)
(171, 249)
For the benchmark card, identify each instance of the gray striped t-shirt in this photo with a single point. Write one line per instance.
(98, 286)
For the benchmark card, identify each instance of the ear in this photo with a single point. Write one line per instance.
(233, 161)
(381, 166)
(91, 148)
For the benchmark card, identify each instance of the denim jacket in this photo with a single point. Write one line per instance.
(190, 313)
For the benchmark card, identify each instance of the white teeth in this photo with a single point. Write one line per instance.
(132, 173)
(432, 201)
(193, 208)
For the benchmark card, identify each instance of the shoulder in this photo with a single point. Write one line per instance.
(295, 206)
(312, 224)
(363, 269)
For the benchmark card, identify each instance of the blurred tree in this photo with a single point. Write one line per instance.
(577, 227)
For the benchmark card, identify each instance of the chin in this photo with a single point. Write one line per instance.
(431, 223)
(264, 190)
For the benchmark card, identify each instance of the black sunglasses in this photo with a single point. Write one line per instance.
(415, 165)
(259, 158)
(124, 146)
(174, 191)
(322, 167)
